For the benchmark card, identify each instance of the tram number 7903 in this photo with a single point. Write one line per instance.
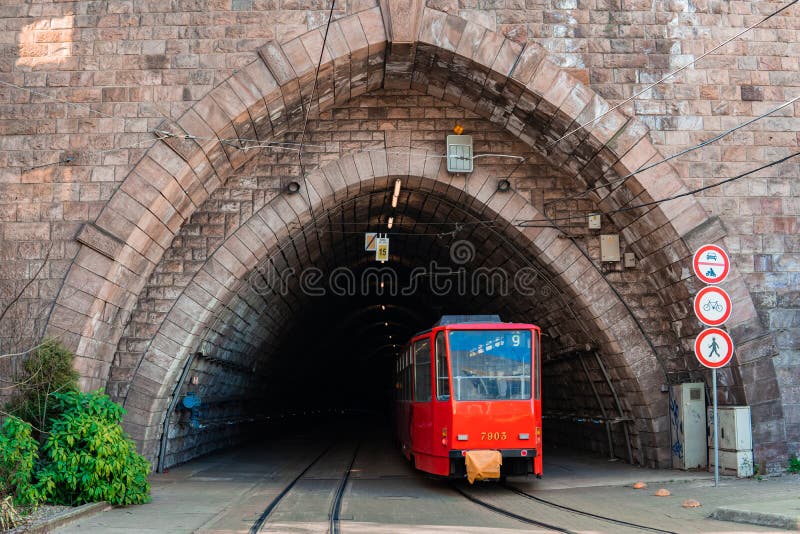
(493, 436)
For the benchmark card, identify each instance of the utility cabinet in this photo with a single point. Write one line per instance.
(735, 440)
(687, 413)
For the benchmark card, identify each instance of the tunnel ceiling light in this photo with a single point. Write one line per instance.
(383, 307)
(293, 187)
(396, 194)
(390, 223)
(503, 185)
(385, 324)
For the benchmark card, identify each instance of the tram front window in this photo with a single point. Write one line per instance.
(491, 364)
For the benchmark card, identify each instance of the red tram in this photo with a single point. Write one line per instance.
(468, 392)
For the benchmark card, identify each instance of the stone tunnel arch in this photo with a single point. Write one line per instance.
(439, 54)
(213, 291)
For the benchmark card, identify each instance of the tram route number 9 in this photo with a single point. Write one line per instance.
(493, 436)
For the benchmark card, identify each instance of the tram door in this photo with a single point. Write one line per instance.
(422, 426)
(442, 410)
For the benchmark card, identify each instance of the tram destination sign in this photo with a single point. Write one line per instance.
(713, 348)
(712, 305)
(711, 264)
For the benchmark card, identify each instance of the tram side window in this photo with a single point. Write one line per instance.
(422, 370)
(442, 372)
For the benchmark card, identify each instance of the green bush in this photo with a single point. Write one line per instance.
(87, 457)
(18, 455)
(47, 370)
(794, 464)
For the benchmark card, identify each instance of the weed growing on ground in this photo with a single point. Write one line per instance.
(794, 464)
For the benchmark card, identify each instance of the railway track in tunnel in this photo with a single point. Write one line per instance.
(548, 514)
(335, 504)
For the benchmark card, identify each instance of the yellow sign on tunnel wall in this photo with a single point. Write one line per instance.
(382, 249)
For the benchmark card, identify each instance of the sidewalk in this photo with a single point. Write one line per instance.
(226, 493)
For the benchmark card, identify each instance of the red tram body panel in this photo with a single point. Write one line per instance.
(470, 383)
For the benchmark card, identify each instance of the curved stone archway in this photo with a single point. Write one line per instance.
(216, 289)
(436, 53)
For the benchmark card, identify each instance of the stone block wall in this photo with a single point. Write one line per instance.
(84, 84)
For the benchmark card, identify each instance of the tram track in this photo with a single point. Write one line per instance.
(585, 513)
(336, 501)
(504, 511)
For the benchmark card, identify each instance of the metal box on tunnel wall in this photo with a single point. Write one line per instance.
(735, 440)
(687, 413)
(459, 153)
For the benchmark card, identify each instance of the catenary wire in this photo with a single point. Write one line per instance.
(524, 223)
(658, 82)
(707, 142)
(671, 74)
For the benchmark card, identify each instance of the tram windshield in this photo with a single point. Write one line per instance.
(491, 364)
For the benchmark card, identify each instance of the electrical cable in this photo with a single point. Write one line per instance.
(654, 84)
(308, 108)
(647, 167)
(551, 220)
(670, 75)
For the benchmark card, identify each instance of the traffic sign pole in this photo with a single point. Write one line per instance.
(712, 305)
(716, 429)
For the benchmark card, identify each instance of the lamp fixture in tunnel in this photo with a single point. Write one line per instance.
(383, 307)
(396, 194)
(390, 222)
(293, 187)
(503, 185)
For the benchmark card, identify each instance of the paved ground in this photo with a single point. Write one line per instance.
(228, 492)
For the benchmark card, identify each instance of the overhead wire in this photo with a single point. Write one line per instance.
(670, 75)
(656, 83)
(691, 192)
(646, 167)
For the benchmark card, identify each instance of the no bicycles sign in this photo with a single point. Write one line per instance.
(712, 305)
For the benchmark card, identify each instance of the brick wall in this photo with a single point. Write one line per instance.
(135, 63)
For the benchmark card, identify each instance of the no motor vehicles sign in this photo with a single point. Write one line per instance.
(711, 264)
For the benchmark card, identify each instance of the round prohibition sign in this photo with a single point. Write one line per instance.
(711, 264)
(713, 348)
(712, 305)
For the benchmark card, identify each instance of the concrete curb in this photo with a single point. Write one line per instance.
(59, 520)
(765, 519)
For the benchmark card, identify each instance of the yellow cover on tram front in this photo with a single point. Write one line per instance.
(483, 465)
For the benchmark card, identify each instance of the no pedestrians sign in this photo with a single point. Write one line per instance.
(713, 348)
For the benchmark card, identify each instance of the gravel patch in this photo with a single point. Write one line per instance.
(39, 515)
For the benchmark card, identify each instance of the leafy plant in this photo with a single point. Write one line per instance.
(87, 457)
(18, 455)
(9, 517)
(47, 370)
(794, 464)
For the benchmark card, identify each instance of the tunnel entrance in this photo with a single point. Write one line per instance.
(310, 319)
(221, 265)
